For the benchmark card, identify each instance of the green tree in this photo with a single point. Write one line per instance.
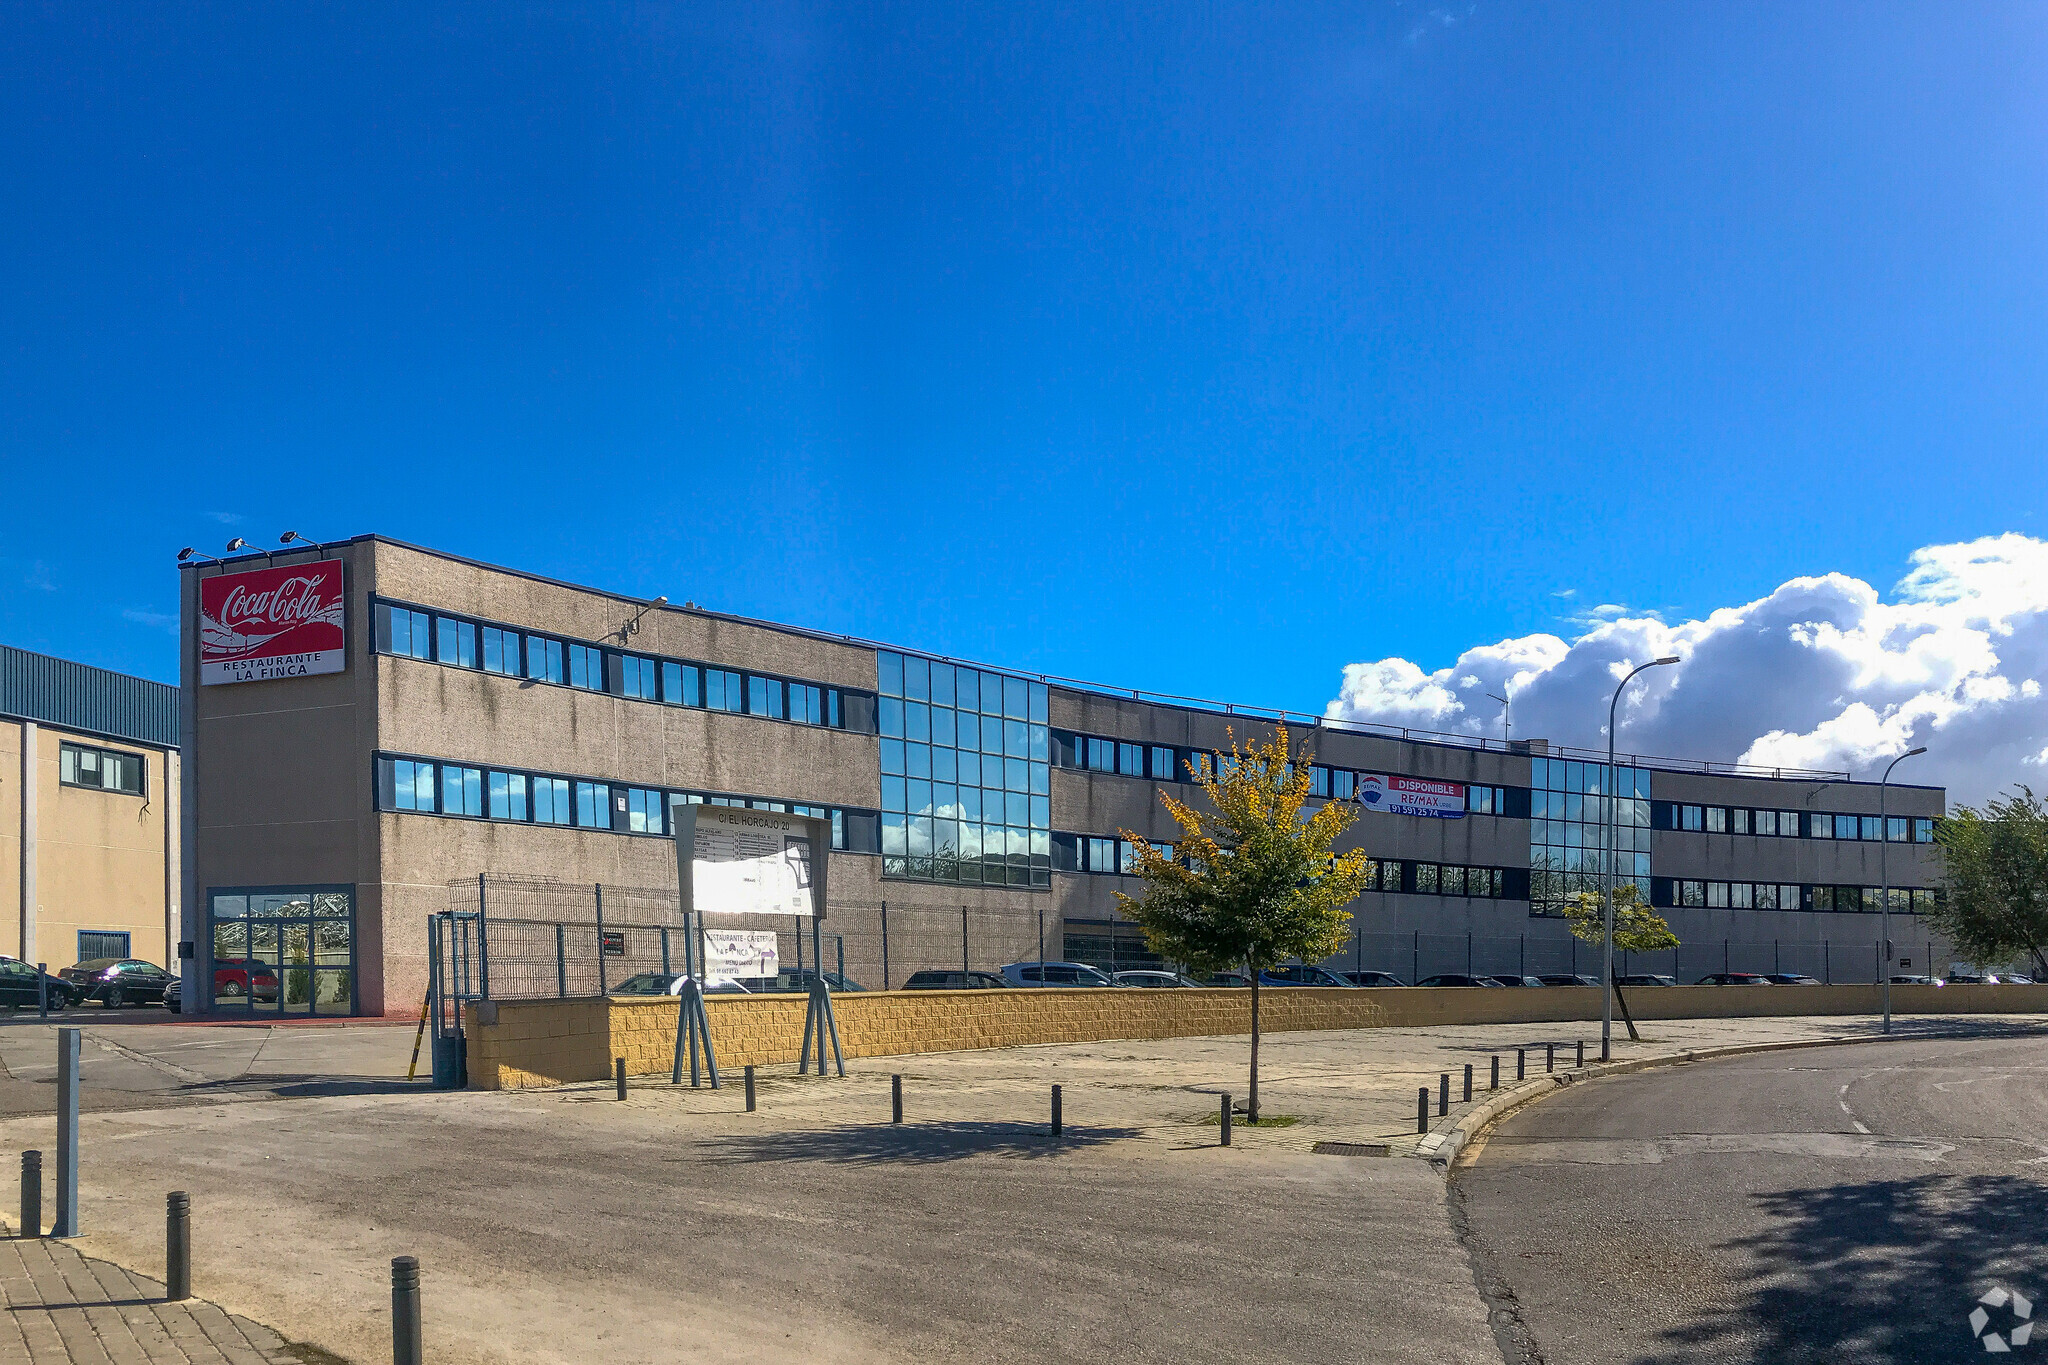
(1253, 881)
(1637, 929)
(1995, 871)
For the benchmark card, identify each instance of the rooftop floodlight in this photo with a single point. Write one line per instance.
(237, 544)
(288, 537)
(184, 554)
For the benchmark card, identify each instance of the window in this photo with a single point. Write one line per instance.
(1897, 830)
(1740, 821)
(644, 811)
(1692, 817)
(412, 785)
(638, 677)
(1164, 766)
(462, 790)
(1451, 881)
(1790, 897)
(764, 697)
(1869, 827)
(402, 631)
(1820, 826)
(1741, 896)
(1426, 879)
(806, 704)
(1767, 822)
(1100, 855)
(1717, 820)
(1692, 893)
(454, 642)
(1765, 896)
(586, 667)
(1101, 756)
(501, 651)
(1923, 831)
(1717, 895)
(593, 805)
(679, 685)
(79, 765)
(1484, 800)
(508, 796)
(722, 691)
(94, 944)
(551, 800)
(1318, 780)
(544, 659)
(1344, 784)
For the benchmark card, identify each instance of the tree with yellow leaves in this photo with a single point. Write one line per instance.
(1253, 883)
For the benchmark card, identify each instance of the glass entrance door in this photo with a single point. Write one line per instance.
(283, 951)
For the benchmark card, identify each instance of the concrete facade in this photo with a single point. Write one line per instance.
(284, 783)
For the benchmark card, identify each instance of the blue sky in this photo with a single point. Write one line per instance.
(1200, 348)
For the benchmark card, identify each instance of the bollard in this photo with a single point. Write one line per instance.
(1056, 1126)
(895, 1099)
(1521, 1064)
(1443, 1094)
(1422, 1109)
(1582, 1053)
(65, 1223)
(750, 1089)
(405, 1310)
(619, 1075)
(1224, 1120)
(1468, 1082)
(31, 1194)
(1496, 1073)
(177, 1246)
(1550, 1056)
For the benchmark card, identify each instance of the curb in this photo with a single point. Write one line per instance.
(1441, 1146)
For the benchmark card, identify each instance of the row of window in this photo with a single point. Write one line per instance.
(477, 792)
(926, 848)
(1792, 824)
(1087, 853)
(82, 765)
(913, 679)
(1679, 892)
(462, 643)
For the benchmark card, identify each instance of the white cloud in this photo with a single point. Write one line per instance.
(227, 518)
(1822, 673)
(155, 619)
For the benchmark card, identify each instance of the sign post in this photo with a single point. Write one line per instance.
(732, 861)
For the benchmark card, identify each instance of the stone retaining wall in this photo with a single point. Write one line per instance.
(518, 1044)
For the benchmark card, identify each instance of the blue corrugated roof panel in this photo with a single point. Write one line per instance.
(96, 701)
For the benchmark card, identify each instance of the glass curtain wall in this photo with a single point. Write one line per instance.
(1568, 809)
(966, 774)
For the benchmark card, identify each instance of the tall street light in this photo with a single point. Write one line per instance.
(1884, 865)
(1607, 951)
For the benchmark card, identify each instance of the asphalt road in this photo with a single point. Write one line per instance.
(1825, 1204)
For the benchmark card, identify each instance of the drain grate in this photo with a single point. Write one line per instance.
(1352, 1149)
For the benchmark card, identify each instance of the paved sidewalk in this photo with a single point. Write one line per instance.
(65, 1308)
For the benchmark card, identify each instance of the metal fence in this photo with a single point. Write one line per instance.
(1415, 956)
(525, 938)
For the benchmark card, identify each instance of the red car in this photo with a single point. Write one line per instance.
(236, 978)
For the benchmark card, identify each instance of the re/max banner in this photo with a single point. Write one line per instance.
(1411, 796)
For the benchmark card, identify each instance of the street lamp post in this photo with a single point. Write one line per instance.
(1884, 866)
(1607, 870)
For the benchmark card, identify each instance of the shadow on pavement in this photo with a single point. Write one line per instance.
(1887, 1271)
(913, 1142)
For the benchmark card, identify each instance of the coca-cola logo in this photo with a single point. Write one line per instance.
(291, 602)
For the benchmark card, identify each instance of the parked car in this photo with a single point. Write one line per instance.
(1733, 979)
(1458, 979)
(118, 981)
(964, 981)
(1571, 979)
(671, 983)
(18, 987)
(235, 978)
(796, 981)
(1918, 981)
(1973, 979)
(1155, 980)
(1644, 979)
(2015, 979)
(1372, 978)
(1227, 979)
(174, 1002)
(1300, 974)
(1510, 979)
(1790, 979)
(1054, 974)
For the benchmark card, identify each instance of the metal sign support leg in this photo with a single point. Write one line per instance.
(820, 1023)
(693, 1029)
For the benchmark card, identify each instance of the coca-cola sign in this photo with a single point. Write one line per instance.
(272, 623)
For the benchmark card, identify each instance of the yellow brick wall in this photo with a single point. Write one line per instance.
(549, 1042)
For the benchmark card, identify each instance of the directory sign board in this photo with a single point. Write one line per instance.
(1411, 796)
(731, 861)
(284, 622)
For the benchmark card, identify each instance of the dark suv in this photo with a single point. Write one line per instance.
(18, 987)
